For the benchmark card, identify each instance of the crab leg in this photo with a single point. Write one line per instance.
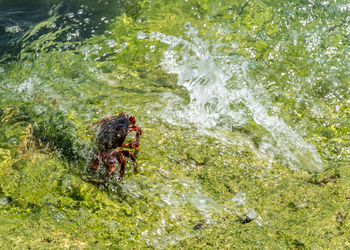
(101, 123)
(122, 161)
(119, 154)
(134, 144)
(97, 162)
(131, 155)
(110, 165)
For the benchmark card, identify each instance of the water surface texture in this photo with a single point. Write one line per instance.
(245, 111)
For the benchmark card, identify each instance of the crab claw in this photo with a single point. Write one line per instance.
(132, 120)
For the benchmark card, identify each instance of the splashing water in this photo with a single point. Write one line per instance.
(215, 84)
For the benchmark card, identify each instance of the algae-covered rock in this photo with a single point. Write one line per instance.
(267, 166)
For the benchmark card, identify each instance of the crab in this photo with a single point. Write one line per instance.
(111, 146)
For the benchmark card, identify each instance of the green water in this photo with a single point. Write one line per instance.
(245, 112)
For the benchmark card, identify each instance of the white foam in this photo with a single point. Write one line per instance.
(223, 96)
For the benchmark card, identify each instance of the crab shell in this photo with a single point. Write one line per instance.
(113, 134)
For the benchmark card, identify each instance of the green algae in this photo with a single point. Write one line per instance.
(160, 205)
(49, 199)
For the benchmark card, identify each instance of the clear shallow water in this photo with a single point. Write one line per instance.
(244, 107)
